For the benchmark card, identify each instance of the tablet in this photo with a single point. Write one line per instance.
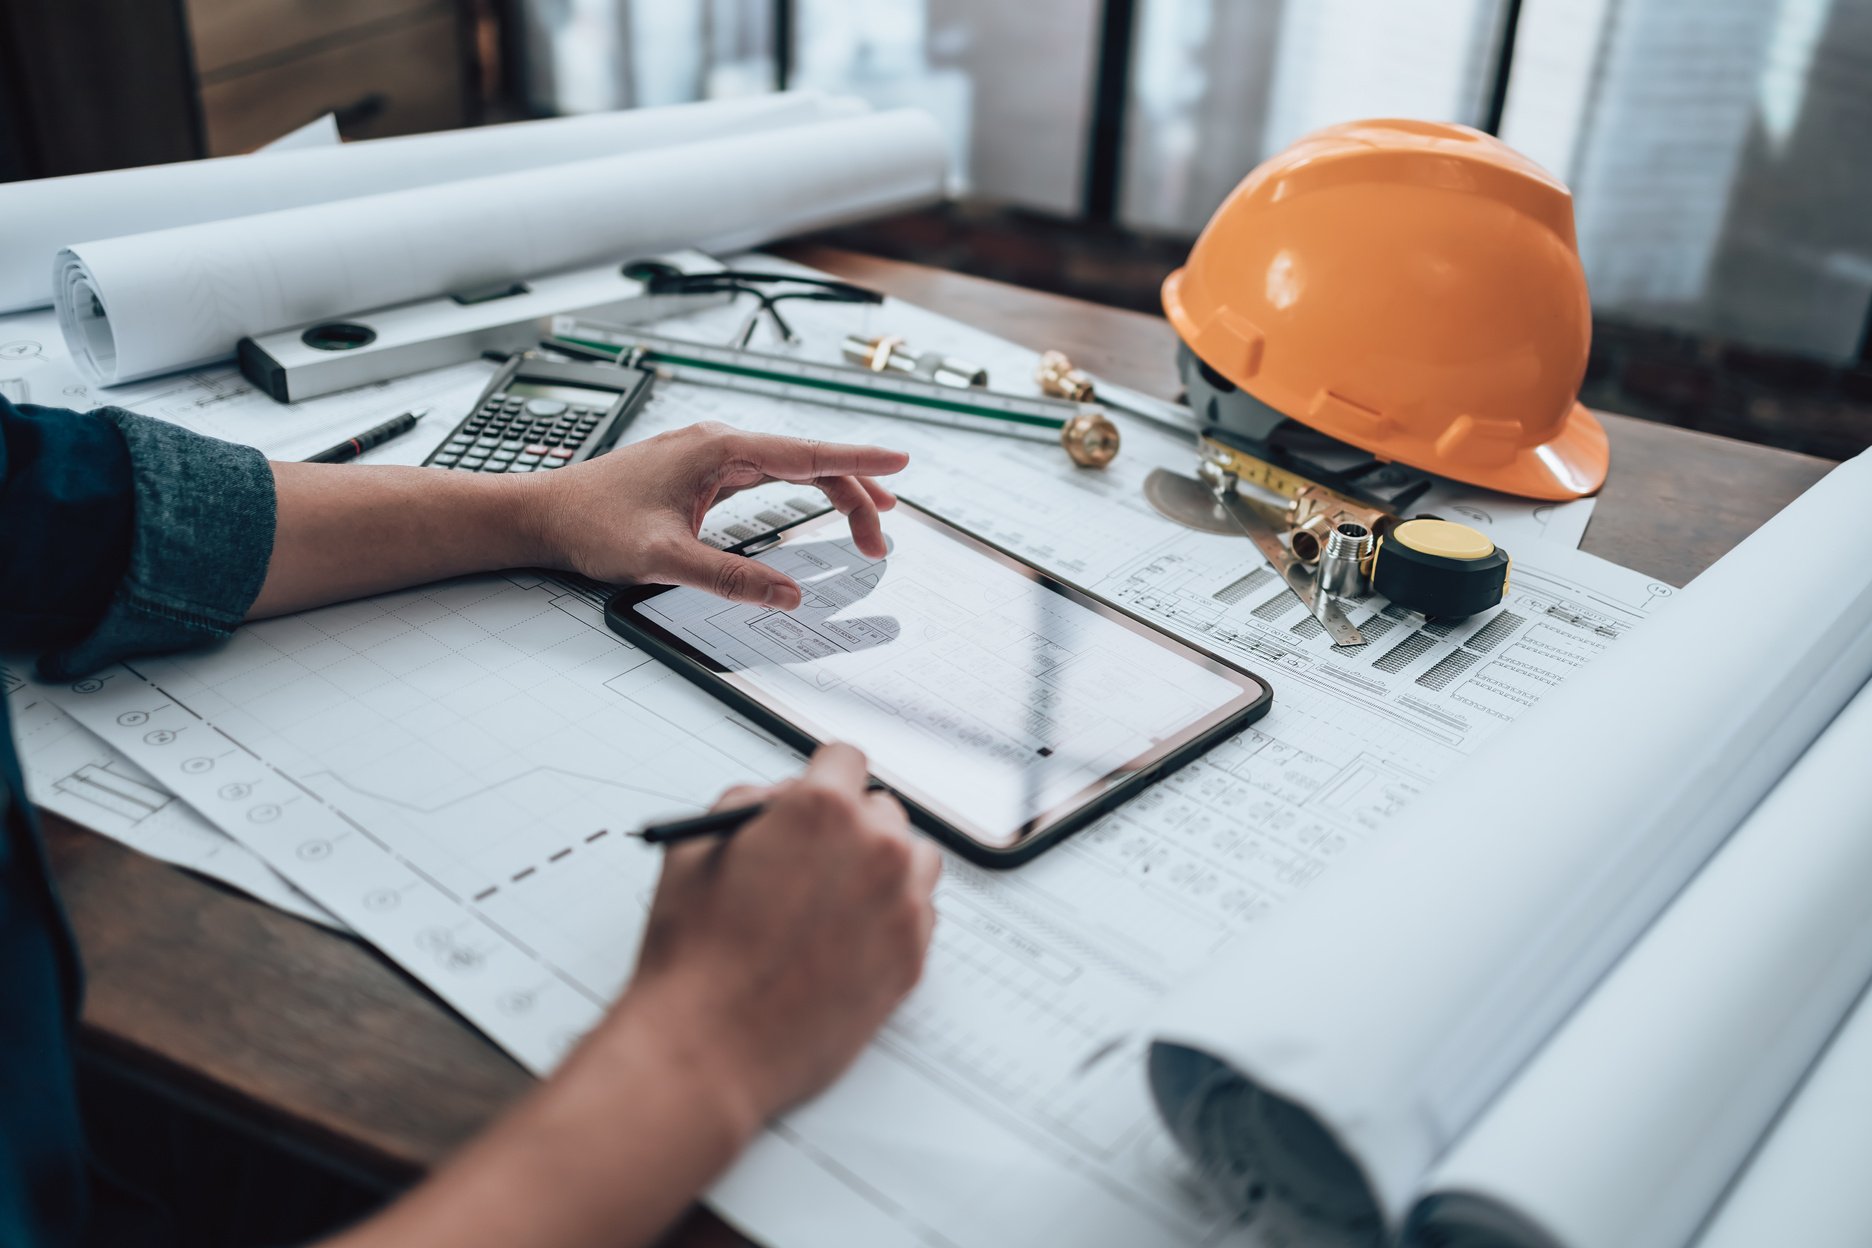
(1003, 706)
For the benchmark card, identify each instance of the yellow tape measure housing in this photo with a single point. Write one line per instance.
(1439, 568)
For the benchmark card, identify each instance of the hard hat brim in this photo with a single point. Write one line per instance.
(1572, 464)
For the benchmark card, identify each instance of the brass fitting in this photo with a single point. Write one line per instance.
(1057, 376)
(1091, 439)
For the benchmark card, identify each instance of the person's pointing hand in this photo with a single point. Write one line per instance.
(633, 515)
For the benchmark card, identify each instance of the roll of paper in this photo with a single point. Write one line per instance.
(43, 216)
(1628, 1125)
(1807, 1184)
(152, 303)
(1338, 1051)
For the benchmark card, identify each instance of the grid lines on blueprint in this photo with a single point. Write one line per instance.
(452, 768)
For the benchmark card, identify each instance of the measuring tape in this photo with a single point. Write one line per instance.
(1439, 568)
(1254, 470)
(1083, 429)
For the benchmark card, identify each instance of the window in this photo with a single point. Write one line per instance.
(1717, 154)
(583, 56)
(1217, 85)
(1010, 82)
(1715, 148)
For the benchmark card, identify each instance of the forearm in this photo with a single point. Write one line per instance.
(347, 530)
(609, 1153)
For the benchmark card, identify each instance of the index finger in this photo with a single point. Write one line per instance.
(804, 459)
(837, 765)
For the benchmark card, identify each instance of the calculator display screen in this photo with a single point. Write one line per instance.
(565, 394)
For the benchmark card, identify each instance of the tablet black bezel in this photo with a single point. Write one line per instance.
(1192, 742)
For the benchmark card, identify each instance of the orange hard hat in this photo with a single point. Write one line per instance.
(1412, 288)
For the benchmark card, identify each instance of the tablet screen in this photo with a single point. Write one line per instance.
(997, 698)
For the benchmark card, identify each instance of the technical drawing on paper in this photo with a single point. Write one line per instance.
(447, 770)
(70, 771)
(489, 751)
(491, 777)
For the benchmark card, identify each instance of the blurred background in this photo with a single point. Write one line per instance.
(1717, 149)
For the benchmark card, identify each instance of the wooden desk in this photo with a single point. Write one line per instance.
(315, 1038)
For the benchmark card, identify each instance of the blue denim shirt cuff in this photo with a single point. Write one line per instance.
(205, 512)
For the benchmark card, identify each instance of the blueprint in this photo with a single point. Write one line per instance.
(447, 770)
(71, 772)
(219, 402)
(74, 772)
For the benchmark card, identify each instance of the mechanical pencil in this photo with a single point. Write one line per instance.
(351, 448)
(714, 823)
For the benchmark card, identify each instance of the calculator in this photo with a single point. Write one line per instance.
(537, 415)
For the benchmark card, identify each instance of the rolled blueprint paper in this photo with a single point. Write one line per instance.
(152, 303)
(1807, 1182)
(1334, 1054)
(43, 216)
(1627, 1127)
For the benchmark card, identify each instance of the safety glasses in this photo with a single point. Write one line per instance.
(768, 289)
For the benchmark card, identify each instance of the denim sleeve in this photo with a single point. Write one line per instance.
(200, 541)
(66, 516)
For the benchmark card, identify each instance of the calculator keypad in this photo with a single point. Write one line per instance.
(515, 435)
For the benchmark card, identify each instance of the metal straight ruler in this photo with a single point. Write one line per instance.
(838, 386)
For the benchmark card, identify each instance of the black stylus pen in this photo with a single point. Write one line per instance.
(351, 448)
(714, 823)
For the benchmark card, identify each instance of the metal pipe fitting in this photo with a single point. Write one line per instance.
(884, 353)
(1309, 539)
(1341, 565)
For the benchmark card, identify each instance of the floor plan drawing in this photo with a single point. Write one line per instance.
(448, 769)
(72, 772)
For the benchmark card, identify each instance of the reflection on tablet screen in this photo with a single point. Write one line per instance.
(975, 687)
